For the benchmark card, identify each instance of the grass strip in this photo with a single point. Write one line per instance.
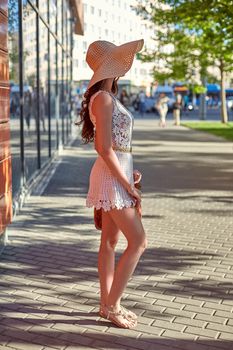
(214, 128)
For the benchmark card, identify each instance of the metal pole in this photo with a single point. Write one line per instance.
(67, 80)
(71, 73)
(62, 80)
(21, 67)
(49, 87)
(202, 110)
(38, 89)
(57, 95)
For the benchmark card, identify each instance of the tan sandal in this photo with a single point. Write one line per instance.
(129, 314)
(115, 316)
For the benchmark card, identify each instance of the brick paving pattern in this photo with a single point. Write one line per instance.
(182, 287)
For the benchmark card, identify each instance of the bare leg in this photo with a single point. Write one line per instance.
(129, 222)
(163, 118)
(109, 238)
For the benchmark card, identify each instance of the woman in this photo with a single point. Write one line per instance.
(162, 107)
(111, 185)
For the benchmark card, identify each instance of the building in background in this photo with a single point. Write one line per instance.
(115, 21)
(35, 90)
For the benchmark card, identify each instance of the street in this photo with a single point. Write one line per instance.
(181, 289)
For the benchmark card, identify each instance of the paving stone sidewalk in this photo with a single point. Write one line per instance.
(182, 287)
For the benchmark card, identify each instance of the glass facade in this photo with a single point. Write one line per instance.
(40, 61)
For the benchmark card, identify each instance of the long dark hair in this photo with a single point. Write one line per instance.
(88, 128)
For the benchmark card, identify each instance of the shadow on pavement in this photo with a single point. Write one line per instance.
(57, 270)
(49, 291)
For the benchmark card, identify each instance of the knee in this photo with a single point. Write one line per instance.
(143, 244)
(140, 244)
(110, 243)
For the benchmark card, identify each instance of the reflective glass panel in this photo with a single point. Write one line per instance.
(59, 19)
(52, 15)
(13, 35)
(43, 54)
(53, 80)
(60, 119)
(30, 90)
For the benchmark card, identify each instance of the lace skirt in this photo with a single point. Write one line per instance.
(105, 191)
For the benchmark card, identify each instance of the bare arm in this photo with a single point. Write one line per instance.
(102, 108)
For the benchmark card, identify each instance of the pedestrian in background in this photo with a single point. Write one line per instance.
(112, 190)
(162, 108)
(124, 98)
(177, 109)
(186, 103)
(28, 108)
(142, 102)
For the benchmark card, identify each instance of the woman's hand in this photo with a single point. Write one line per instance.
(137, 176)
(135, 193)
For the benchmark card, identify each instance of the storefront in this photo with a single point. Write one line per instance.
(35, 89)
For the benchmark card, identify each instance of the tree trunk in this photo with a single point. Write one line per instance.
(224, 116)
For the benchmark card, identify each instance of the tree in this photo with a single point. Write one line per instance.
(206, 27)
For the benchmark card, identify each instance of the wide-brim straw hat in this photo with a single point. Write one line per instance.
(108, 60)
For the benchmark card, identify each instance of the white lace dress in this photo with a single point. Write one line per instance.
(105, 191)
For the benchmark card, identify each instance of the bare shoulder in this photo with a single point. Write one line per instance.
(102, 100)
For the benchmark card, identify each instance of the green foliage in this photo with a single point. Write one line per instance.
(199, 33)
(199, 89)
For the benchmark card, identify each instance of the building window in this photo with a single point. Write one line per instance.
(100, 12)
(46, 81)
(92, 10)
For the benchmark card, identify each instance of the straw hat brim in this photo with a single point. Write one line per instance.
(117, 62)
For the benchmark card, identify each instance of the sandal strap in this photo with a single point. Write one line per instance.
(115, 313)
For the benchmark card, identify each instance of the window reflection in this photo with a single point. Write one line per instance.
(53, 81)
(30, 91)
(59, 19)
(60, 111)
(46, 84)
(52, 14)
(44, 139)
(13, 35)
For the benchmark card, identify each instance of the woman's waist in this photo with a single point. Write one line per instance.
(125, 158)
(124, 149)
